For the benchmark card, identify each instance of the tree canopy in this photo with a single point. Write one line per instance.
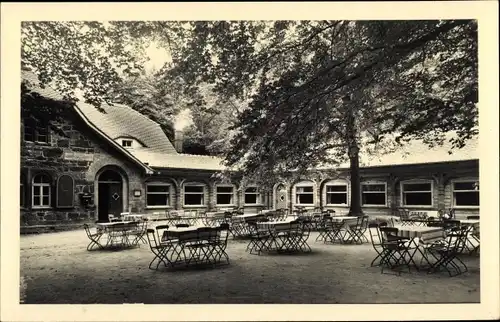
(404, 80)
(288, 79)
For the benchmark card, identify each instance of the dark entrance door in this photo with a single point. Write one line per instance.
(110, 195)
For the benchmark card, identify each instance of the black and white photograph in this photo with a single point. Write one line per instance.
(208, 160)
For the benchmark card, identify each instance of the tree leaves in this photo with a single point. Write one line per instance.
(406, 79)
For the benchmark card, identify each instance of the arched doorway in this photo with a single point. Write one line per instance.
(109, 194)
(280, 197)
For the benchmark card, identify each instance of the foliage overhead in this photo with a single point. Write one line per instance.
(287, 79)
(404, 79)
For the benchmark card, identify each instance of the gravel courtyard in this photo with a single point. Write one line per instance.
(56, 268)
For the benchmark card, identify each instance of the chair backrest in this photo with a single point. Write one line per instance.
(450, 224)
(435, 223)
(153, 239)
(473, 217)
(456, 242)
(87, 230)
(403, 213)
(162, 232)
(223, 232)
(374, 230)
(388, 234)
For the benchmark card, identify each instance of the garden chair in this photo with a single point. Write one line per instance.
(304, 233)
(404, 216)
(259, 239)
(395, 249)
(475, 235)
(94, 237)
(200, 248)
(139, 232)
(158, 248)
(221, 243)
(357, 232)
(324, 227)
(447, 252)
(376, 240)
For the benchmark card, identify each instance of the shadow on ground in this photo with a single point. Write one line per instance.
(56, 268)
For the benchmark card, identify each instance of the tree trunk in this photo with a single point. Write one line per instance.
(355, 208)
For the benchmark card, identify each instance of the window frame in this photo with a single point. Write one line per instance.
(127, 140)
(169, 194)
(453, 197)
(301, 185)
(374, 183)
(258, 200)
(41, 185)
(233, 189)
(337, 183)
(203, 199)
(416, 181)
(22, 191)
(36, 131)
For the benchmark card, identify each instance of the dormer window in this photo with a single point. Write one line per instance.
(127, 143)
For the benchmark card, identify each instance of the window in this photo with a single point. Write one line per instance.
(41, 191)
(65, 191)
(252, 196)
(157, 194)
(127, 143)
(22, 191)
(416, 194)
(224, 195)
(194, 195)
(466, 193)
(35, 131)
(373, 194)
(304, 195)
(336, 194)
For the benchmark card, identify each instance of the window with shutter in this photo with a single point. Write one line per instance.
(65, 191)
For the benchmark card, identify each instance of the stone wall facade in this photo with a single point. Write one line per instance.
(79, 154)
(83, 155)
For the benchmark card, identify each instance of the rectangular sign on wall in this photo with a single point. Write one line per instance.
(78, 156)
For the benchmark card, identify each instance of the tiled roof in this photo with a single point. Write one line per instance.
(47, 92)
(50, 93)
(178, 161)
(120, 120)
(416, 152)
(159, 152)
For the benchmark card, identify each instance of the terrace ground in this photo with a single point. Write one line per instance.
(56, 268)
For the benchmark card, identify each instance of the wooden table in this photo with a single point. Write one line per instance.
(118, 232)
(470, 222)
(133, 217)
(285, 235)
(276, 224)
(185, 245)
(420, 236)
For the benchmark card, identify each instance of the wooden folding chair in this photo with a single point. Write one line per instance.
(94, 237)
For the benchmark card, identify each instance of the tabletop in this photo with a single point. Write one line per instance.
(427, 234)
(339, 218)
(185, 232)
(116, 223)
(275, 223)
(470, 221)
(246, 215)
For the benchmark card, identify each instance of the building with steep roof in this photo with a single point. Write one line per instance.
(106, 163)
